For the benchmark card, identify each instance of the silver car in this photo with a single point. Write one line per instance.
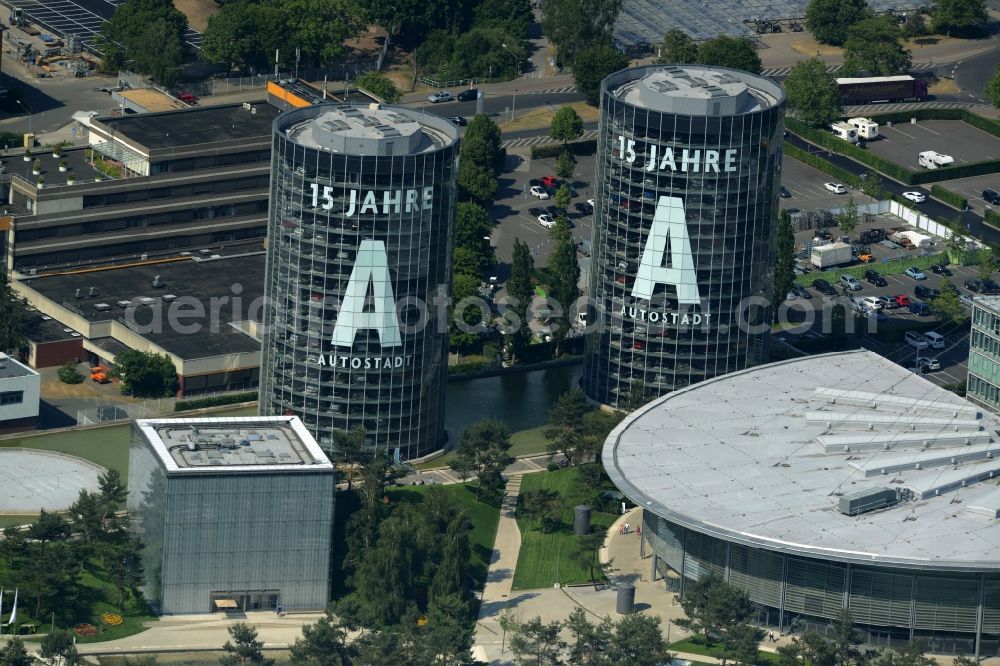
(440, 96)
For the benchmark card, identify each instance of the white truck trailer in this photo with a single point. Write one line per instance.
(831, 254)
(932, 160)
(866, 127)
(846, 132)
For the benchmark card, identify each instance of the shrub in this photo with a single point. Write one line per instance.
(951, 198)
(893, 267)
(820, 164)
(215, 401)
(68, 374)
(992, 217)
(552, 467)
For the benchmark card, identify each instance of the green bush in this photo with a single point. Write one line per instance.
(471, 367)
(820, 164)
(215, 401)
(554, 150)
(992, 217)
(894, 267)
(951, 198)
(68, 374)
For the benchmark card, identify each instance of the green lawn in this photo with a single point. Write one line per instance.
(546, 559)
(696, 645)
(522, 443)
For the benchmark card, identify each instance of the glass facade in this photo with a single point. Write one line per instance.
(261, 539)
(684, 221)
(953, 612)
(359, 264)
(984, 353)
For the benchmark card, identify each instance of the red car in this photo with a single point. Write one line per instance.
(550, 181)
(902, 300)
(639, 344)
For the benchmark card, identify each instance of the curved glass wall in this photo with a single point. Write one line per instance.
(719, 173)
(386, 220)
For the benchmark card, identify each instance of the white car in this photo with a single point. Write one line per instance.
(926, 364)
(836, 188)
(440, 96)
(916, 340)
(539, 191)
(915, 273)
(546, 221)
(915, 197)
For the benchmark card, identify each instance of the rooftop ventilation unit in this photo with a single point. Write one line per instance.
(698, 82)
(102, 307)
(93, 291)
(716, 91)
(169, 298)
(158, 283)
(868, 499)
(663, 86)
(335, 125)
(725, 78)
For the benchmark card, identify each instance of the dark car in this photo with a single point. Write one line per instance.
(535, 212)
(991, 196)
(468, 95)
(875, 278)
(975, 286)
(824, 287)
(926, 293)
(584, 207)
(783, 192)
(801, 291)
(919, 308)
(941, 269)
(991, 287)
(458, 120)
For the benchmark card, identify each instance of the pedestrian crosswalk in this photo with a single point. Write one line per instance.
(781, 72)
(551, 91)
(542, 140)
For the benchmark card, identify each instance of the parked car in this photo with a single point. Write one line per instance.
(919, 308)
(875, 278)
(941, 269)
(991, 287)
(934, 340)
(902, 300)
(468, 95)
(991, 196)
(802, 291)
(887, 303)
(439, 96)
(836, 188)
(783, 192)
(925, 293)
(550, 181)
(975, 286)
(535, 212)
(966, 300)
(915, 197)
(539, 191)
(915, 273)
(925, 364)
(850, 282)
(872, 302)
(824, 287)
(584, 207)
(916, 340)
(546, 221)
(458, 120)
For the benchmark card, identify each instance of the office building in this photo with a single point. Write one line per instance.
(233, 514)
(359, 248)
(20, 393)
(839, 481)
(983, 385)
(686, 205)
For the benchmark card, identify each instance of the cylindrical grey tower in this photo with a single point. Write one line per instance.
(687, 187)
(358, 266)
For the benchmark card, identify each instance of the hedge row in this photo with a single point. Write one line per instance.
(951, 198)
(820, 164)
(215, 401)
(893, 170)
(894, 267)
(992, 217)
(553, 150)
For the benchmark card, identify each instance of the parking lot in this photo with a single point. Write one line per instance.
(972, 189)
(805, 184)
(902, 142)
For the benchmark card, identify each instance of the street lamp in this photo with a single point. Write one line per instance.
(21, 104)
(517, 74)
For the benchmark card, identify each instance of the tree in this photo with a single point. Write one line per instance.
(320, 27)
(58, 649)
(992, 90)
(829, 20)
(245, 35)
(536, 642)
(591, 644)
(13, 319)
(465, 320)
(847, 219)
(566, 125)
(473, 228)
(519, 295)
(813, 95)
(914, 26)
(636, 396)
(871, 184)
(542, 505)
(638, 640)
(563, 197)
(678, 47)
(125, 38)
(565, 164)
(349, 447)
(478, 157)
(380, 85)
(577, 25)
(484, 452)
(585, 552)
(726, 51)
(960, 660)
(244, 648)
(592, 64)
(323, 643)
(712, 607)
(946, 304)
(566, 425)
(565, 270)
(124, 566)
(962, 17)
(911, 655)
(987, 264)
(784, 267)
(742, 642)
(873, 45)
(476, 183)
(68, 374)
(14, 654)
(145, 374)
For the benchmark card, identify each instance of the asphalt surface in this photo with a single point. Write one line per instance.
(972, 74)
(496, 104)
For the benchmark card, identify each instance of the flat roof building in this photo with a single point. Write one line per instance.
(835, 481)
(20, 393)
(983, 384)
(233, 513)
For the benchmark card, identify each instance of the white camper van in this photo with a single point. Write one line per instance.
(845, 131)
(866, 127)
(932, 160)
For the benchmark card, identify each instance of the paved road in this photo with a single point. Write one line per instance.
(972, 74)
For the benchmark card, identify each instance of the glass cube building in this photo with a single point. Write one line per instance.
(686, 203)
(233, 514)
(983, 385)
(358, 267)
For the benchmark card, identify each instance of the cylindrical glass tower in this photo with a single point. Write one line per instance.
(358, 267)
(683, 246)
